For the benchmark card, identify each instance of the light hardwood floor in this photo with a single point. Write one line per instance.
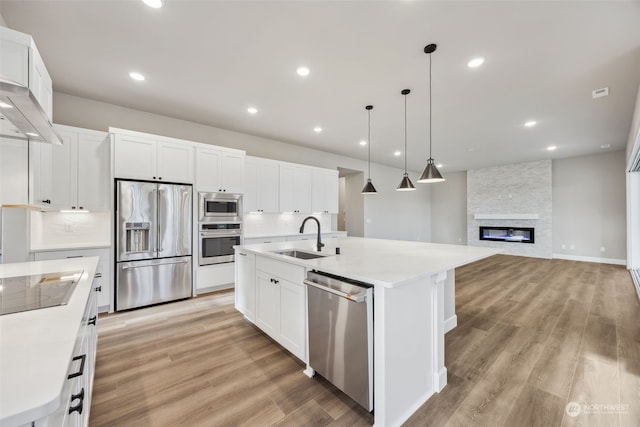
(532, 336)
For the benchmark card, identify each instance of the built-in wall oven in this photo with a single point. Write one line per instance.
(217, 241)
(220, 207)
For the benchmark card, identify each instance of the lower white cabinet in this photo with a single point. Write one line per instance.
(271, 239)
(75, 402)
(280, 304)
(102, 279)
(245, 292)
(214, 277)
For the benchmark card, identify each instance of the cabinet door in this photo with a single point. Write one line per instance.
(135, 157)
(268, 304)
(324, 191)
(232, 173)
(93, 171)
(64, 172)
(250, 197)
(295, 189)
(40, 173)
(175, 162)
(246, 284)
(14, 172)
(292, 318)
(268, 191)
(208, 169)
(15, 60)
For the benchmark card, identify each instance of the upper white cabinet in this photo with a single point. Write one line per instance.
(219, 170)
(154, 159)
(14, 172)
(22, 63)
(74, 175)
(324, 191)
(261, 185)
(295, 188)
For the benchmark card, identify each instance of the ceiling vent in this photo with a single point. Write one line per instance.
(599, 93)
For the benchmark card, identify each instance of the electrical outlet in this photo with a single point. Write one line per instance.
(564, 246)
(68, 228)
(602, 249)
(572, 247)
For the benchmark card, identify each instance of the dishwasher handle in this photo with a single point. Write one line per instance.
(354, 298)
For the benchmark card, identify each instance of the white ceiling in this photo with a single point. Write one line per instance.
(207, 61)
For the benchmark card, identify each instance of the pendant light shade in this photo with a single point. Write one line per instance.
(431, 172)
(368, 187)
(405, 184)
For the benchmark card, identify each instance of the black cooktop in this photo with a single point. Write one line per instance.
(23, 293)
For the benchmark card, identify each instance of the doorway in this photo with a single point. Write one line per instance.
(350, 202)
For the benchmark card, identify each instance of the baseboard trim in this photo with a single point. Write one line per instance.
(591, 259)
(635, 276)
(450, 323)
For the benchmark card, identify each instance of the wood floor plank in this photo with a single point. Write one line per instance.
(536, 408)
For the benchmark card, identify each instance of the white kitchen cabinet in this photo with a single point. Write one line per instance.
(280, 304)
(261, 187)
(214, 277)
(75, 397)
(324, 191)
(102, 278)
(245, 292)
(22, 63)
(153, 159)
(74, 175)
(295, 188)
(14, 172)
(219, 170)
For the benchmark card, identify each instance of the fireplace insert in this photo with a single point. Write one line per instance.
(508, 234)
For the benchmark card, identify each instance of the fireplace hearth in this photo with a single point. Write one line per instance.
(508, 234)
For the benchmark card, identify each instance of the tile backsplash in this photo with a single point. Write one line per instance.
(59, 229)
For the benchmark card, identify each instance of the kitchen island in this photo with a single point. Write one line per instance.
(409, 280)
(38, 349)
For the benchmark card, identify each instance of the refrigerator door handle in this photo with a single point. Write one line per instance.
(127, 267)
(160, 195)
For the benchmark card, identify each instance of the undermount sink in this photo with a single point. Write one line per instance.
(295, 253)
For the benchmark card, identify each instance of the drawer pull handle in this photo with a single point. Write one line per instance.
(77, 408)
(274, 281)
(81, 370)
(98, 275)
(92, 321)
(99, 288)
(75, 256)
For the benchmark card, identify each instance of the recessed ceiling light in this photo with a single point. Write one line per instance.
(439, 165)
(468, 149)
(397, 153)
(31, 134)
(475, 62)
(363, 143)
(5, 105)
(136, 76)
(252, 110)
(605, 146)
(317, 129)
(551, 147)
(530, 123)
(303, 71)
(156, 4)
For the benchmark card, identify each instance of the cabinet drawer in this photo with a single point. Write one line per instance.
(254, 240)
(290, 272)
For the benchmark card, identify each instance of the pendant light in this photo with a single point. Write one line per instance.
(431, 172)
(368, 187)
(405, 184)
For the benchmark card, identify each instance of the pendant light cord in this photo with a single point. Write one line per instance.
(430, 106)
(405, 134)
(369, 143)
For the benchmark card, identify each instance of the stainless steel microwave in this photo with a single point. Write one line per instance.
(220, 207)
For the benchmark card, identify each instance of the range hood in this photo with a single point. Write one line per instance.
(27, 119)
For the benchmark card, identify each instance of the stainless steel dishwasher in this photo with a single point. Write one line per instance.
(341, 334)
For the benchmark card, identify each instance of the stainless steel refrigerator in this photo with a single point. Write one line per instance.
(153, 243)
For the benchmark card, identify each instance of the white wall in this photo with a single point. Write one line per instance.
(449, 209)
(61, 229)
(354, 205)
(342, 185)
(390, 214)
(589, 207)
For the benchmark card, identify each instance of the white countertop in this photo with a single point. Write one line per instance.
(387, 263)
(70, 247)
(36, 346)
(263, 235)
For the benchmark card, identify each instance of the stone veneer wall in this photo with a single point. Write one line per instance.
(523, 188)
